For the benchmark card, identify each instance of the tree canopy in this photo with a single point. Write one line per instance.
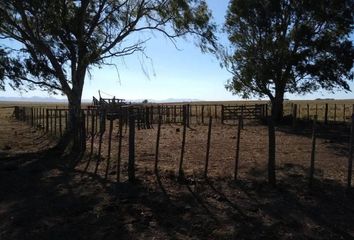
(58, 41)
(279, 46)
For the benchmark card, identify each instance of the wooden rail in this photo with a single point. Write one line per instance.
(244, 111)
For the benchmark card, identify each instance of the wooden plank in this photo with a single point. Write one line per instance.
(237, 156)
(208, 147)
(180, 170)
(313, 151)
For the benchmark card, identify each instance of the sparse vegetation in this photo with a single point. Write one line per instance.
(198, 209)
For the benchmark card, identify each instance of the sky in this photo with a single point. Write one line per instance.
(165, 72)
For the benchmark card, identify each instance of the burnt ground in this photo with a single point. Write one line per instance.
(42, 197)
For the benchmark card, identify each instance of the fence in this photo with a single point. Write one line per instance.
(256, 111)
(55, 121)
(326, 112)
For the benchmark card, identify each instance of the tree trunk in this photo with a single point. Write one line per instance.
(74, 139)
(77, 126)
(277, 107)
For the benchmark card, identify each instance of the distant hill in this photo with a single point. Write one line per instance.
(168, 100)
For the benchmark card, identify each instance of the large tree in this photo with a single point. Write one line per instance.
(285, 46)
(59, 40)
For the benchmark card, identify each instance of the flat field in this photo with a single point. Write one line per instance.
(43, 198)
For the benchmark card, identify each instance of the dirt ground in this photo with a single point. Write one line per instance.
(42, 197)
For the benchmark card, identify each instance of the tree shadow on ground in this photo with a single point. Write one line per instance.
(337, 135)
(45, 198)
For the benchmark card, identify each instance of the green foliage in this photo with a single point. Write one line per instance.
(58, 40)
(282, 46)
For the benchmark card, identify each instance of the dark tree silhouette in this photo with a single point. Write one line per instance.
(3, 62)
(59, 40)
(280, 46)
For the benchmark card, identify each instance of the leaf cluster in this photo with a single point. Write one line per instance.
(282, 46)
(59, 40)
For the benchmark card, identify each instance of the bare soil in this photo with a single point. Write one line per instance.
(42, 197)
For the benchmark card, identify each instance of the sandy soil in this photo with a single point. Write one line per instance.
(43, 198)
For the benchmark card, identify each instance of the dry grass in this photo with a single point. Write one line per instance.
(43, 199)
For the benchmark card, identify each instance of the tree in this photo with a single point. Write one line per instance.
(59, 40)
(3, 60)
(283, 46)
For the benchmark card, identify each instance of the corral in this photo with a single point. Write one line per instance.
(214, 208)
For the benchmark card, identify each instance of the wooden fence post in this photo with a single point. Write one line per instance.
(159, 112)
(17, 112)
(168, 117)
(55, 121)
(216, 112)
(47, 120)
(35, 117)
(41, 118)
(313, 152)
(119, 148)
(66, 120)
(102, 120)
(350, 158)
(138, 119)
(97, 118)
(202, 114)
(188, 114)
(32, 117)
(294, 114)
(109, 146)
(60, 123)
(92, 130)
(174, 114)
(87, 122)
(208, 147)
(180, 114)
(344, 113)
(180, 170)
(131, 161)
(335, 113)
(326, 114)
(82, 131)
(151, 117)
(222, 114)
(38, 117)
(51, 120)
(271, 152)
(237, 156)
(299, 112)
(308, 112)
(157, 147)
(196, 114)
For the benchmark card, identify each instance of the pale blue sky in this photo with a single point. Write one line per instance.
(172, 73)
